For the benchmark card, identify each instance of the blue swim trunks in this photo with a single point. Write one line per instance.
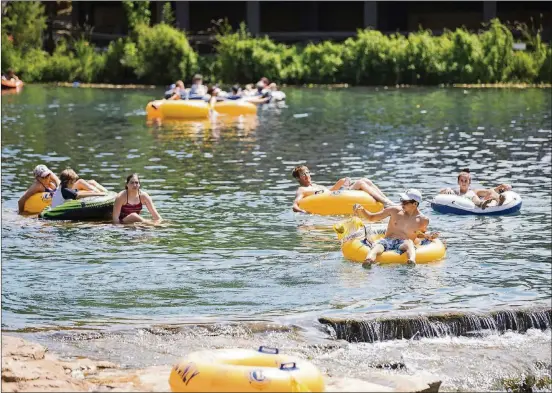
(391, 244)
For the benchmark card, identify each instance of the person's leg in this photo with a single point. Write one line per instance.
(408, 246)
(369, 187)
(97, 185)
(373, 253)
(132, 218)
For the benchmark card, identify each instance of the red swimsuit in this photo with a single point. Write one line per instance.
(129, 208)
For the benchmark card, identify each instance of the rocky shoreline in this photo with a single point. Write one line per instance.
(27, 366)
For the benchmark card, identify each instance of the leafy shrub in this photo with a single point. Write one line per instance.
(242, 58)
(162, 54)
(545, 73)
(522, 68)
(322, 62)
(11, 57)
(497, 44)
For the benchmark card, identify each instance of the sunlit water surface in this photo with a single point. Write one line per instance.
(231, 249)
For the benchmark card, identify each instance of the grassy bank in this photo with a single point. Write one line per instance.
(161, 54)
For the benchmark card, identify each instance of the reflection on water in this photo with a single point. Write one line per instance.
(232, 248)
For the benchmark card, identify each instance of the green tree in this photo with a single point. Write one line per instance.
(167, 15)
(25, 21)
(138, 13)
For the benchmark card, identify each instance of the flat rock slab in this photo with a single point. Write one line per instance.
(26, 368)
(354, 385)
(18, 348)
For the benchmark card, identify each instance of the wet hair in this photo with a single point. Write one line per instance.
(464, 172)
(129, 177)
(211, 89)
(67, 176)
(299, 170)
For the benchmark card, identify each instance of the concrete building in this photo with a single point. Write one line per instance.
(315, 20)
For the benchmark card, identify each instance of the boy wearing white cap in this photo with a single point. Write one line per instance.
(406, 225)
(45, 181)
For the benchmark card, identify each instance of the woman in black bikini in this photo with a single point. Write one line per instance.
(129, 202)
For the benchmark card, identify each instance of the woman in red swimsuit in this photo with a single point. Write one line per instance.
(129, 202)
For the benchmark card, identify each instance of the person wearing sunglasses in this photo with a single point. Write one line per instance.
(130, 201)
(44, 181)
(72, 187)
(480, 197)
(307, 187)
(405, 230)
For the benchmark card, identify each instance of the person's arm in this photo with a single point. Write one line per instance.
(421, 233)
(85, 194)
(502, 188)
(117, 208)
(176, 96)
(33, 189)
(448, 191)
(56, 179)
(361, 212)
(340, 183)
(151, 207)
(298, 196)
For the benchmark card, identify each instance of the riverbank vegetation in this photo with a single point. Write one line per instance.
(161, 54)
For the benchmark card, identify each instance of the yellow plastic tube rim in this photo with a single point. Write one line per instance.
(244, 370)
(339, 202)
(38, 202)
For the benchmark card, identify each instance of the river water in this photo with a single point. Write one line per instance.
(232, 251)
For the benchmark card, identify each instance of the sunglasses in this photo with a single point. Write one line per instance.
(407, 202)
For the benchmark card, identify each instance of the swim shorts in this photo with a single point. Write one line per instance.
(391, 244)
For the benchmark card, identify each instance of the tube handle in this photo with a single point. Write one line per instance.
(273, 351)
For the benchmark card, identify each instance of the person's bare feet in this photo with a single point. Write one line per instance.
(485, 204)
(368, 263)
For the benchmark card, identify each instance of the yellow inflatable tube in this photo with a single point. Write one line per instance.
(236, 108)
(354, 248)
(177, 109)
(196, 109)
(37, 202)
(244, 370)
(339, 202)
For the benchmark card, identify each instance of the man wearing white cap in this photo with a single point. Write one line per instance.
(45, 181)
(406, 225)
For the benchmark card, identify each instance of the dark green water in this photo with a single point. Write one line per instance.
(232, 248)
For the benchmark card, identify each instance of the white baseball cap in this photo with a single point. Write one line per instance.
(411, 195)
(41, 171)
